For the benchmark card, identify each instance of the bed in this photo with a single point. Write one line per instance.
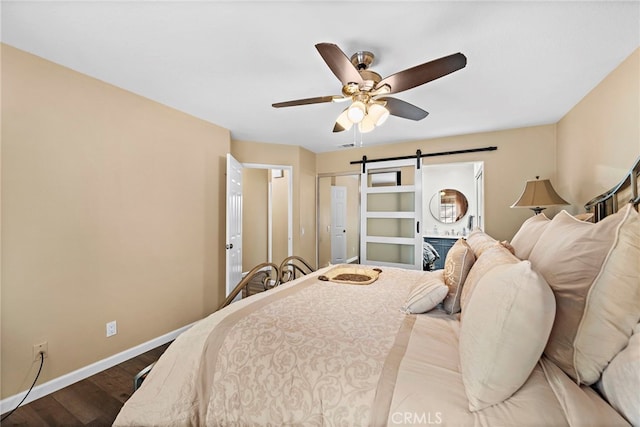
(521, 333)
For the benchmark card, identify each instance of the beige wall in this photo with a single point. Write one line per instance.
(255, 200)
(599, 139)
(522, 154)
(307, 193)
(279, 218)
(112, 209)
(304, 187)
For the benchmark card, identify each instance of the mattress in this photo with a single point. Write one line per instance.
(313, 352)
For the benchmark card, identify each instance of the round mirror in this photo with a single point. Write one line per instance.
(448, 206)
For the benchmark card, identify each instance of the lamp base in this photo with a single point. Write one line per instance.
(537, 210)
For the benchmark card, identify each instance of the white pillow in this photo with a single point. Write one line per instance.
(593, 270)
(505, 327)
(426, 296)
(620, 382)
(528, 234)
(489, 259)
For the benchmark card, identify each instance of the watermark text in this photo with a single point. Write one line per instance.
(416, 418)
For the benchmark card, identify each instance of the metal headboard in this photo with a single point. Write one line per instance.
(271, 275)
(627, 191)
(293, 267)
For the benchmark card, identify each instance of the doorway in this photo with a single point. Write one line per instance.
(262, 221)
(268, 226)
(463, 179)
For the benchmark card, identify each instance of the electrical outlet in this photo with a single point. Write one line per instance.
(112, 328)
(37, 348)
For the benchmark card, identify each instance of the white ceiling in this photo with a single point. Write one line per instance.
(227, 62)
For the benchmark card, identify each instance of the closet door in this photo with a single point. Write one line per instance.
(391, 215)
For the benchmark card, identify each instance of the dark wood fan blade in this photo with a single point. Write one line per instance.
(400, 108)
(306, 101)
(342, 122)
(339, 63)
(338, 128)
(424, 73)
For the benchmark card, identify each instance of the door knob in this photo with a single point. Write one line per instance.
(230, 246)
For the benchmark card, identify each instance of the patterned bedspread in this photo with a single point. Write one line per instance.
(321, 353)
(299, 356)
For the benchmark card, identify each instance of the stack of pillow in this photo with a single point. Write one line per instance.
(576, 281)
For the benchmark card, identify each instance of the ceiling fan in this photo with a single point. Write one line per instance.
(368, 91)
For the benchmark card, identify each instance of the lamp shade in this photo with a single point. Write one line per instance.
(537, 194)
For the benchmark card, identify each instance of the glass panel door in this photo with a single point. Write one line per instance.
(391, 200)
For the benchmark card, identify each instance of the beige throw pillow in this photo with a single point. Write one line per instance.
(594, 271)
(457, 265)
(426, 296)
(503, 333)
(490, 258)
(480, 241)
(528, 234)
(508, 246)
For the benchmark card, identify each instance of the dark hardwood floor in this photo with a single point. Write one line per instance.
(94, 401)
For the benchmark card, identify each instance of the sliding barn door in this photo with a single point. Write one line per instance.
(391, 216)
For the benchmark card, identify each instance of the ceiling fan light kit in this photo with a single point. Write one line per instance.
(378, 113)
(367, 90)
(357, 111)
(366, 125)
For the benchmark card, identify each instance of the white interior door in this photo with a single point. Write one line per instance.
(234, 224)
(338, 224)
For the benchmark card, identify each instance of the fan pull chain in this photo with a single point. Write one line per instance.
(355, 137)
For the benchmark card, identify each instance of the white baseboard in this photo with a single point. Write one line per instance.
(352, 260)
(56, 384)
